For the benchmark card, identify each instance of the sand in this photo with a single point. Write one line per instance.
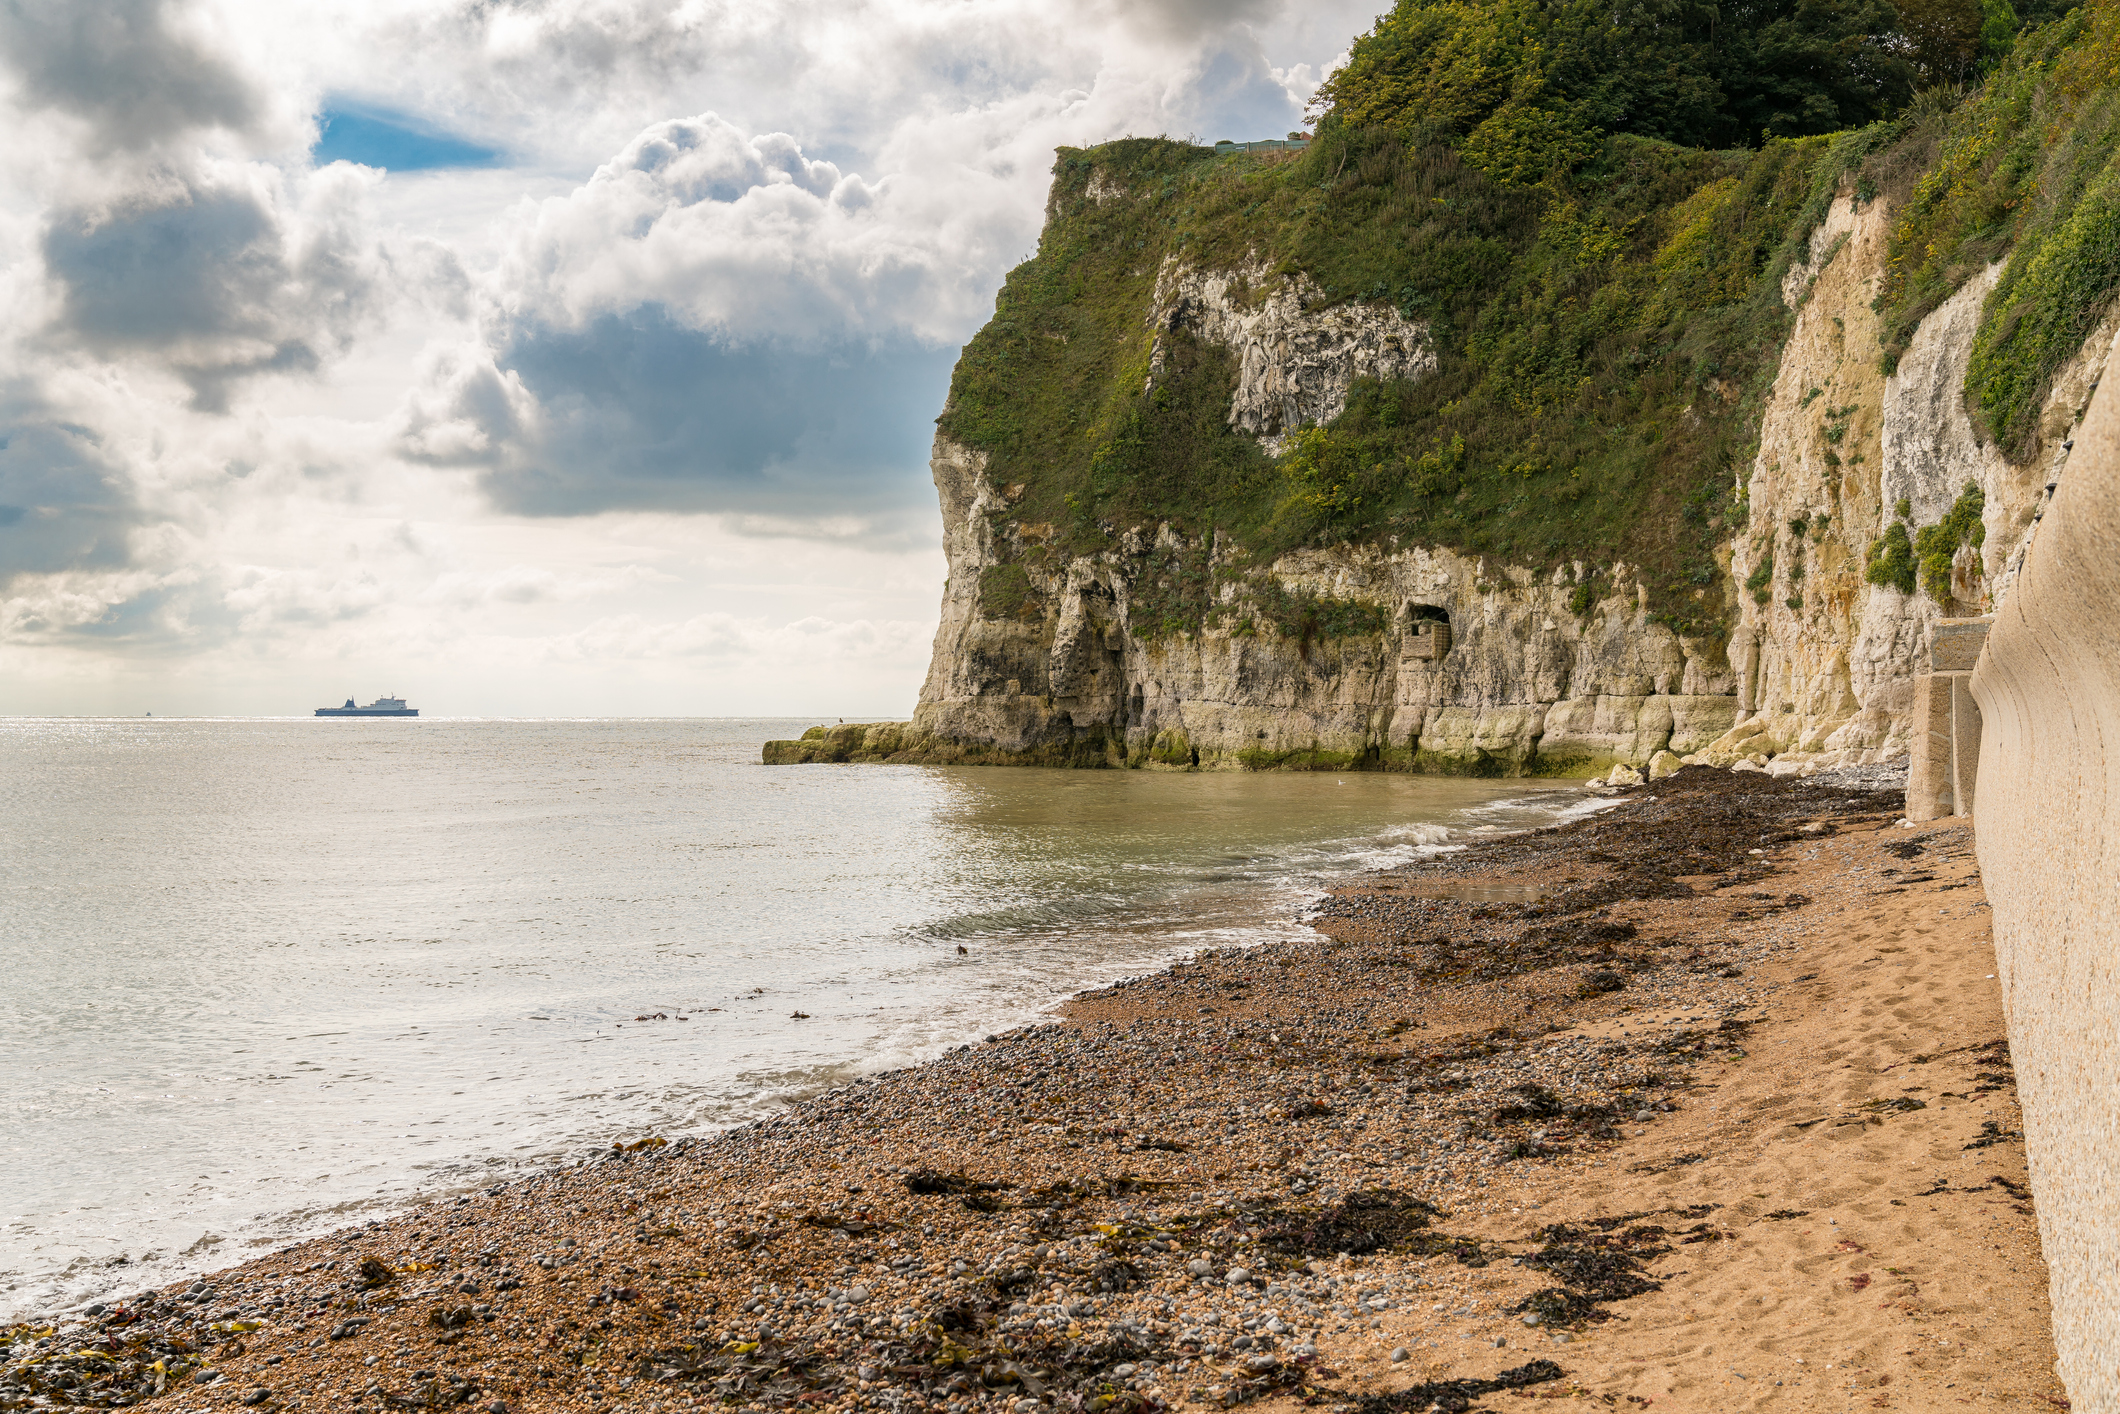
(1868, 1257)
(1710, 1089)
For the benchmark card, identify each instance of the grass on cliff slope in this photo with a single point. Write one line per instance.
(1604, 341)
(2028, 168)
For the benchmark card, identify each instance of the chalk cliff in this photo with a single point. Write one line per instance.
(1365, 458)
(1826, 661)
(1470, 665)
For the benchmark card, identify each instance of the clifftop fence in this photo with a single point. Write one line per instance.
(2047, 823)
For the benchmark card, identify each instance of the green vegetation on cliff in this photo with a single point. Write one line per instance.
(1890, 561)
(2027, 167)
(1602, 344)
(1521, 80)
(1604, 304)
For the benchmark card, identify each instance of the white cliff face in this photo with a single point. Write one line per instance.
(1813, 493)
(1930, 447)
(1826, 662)
(1523, 685)
(967, 543)
(1297, 354)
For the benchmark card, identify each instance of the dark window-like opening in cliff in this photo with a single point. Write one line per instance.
(1418, 612)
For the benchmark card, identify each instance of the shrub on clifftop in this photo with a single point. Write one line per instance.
(1517, 80)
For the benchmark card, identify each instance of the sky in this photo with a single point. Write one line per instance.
(529, 357)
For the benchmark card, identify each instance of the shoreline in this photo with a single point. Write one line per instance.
(1492, 1078)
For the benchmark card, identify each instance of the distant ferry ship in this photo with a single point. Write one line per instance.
(381, 707)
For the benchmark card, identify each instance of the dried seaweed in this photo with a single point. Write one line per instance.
(1454, 1396)
(1372, 1221)
(96, 1371)
(1596, 1262)
(932, 1181)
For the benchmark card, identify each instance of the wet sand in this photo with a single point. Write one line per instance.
(1699, 1104)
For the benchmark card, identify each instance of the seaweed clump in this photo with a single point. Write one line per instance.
(1359, 1224)
(1454, 1396)
(959, 1353)
(109, 1368)
(1594, 1264)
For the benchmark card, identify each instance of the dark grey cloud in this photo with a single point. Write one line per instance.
(137, 71)
(1196, 19)
(640, 412)
(63, 506)
(158, 273)
(209, 278)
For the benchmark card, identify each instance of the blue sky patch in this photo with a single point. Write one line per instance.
(377, 137)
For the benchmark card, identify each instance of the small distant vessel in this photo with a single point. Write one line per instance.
(381, 707)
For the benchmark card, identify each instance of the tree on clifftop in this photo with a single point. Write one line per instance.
(1517, 80)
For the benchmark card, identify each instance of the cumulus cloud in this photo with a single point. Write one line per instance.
(713, 322)
(139, 73)
(233, 379)
(740, 235)
(464, 410)
(262, 602)
(219, 276)
(67, 608)
(643, 412)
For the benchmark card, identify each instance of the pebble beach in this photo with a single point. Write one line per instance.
(1697, 1103)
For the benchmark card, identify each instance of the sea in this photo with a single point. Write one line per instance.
(266, 977)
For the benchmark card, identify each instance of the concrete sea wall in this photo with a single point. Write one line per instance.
(2047, 821)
